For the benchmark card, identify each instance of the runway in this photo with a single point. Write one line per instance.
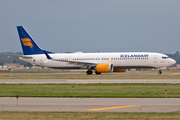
(58, 73)
(91, 104)
(42, 81)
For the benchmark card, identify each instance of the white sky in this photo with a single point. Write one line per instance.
(92, 25)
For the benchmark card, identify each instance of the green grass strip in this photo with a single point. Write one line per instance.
(88, 116)
(100, 90)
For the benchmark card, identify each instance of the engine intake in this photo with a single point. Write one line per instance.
(104, 67)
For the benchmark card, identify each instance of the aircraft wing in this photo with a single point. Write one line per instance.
(78, 62)
(22, 56)
(73, 62)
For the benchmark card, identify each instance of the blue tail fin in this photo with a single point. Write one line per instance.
(29, 46)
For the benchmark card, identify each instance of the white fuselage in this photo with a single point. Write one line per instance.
(120, 60)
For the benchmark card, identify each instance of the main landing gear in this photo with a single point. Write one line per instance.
(89, 72)
(97, 73)
(160, 72)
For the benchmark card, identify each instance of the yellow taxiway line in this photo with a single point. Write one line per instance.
(112, 108)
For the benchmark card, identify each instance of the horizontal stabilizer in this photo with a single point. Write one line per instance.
(22, 56)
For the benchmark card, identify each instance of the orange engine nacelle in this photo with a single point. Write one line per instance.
(104, 67)
(119, 70)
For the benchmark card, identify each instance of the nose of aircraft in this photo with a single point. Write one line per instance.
(172, 61)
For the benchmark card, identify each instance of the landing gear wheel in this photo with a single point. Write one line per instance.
(97, 73)
(89, 72)
(159, 72)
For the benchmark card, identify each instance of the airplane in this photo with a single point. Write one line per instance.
(100, 62)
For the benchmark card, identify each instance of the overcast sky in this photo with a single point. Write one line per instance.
(92, 25)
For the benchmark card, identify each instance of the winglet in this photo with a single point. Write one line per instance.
(48, 57)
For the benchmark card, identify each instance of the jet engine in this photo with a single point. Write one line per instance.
(104, 67)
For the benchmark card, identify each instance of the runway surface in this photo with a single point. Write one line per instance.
(52, 73)
(37, 81)
(91, 104)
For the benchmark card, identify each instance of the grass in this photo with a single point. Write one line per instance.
(102, 90)
(87, 116)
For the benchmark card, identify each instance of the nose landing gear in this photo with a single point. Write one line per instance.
(160, 72)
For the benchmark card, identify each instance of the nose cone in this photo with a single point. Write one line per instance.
(173, 62)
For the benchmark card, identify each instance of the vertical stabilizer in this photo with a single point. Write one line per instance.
(29, 46)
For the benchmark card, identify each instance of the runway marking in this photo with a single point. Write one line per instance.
(113, 107)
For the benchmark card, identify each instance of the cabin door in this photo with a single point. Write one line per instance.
(155, 59)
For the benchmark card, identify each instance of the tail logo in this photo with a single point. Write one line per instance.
(27, 42)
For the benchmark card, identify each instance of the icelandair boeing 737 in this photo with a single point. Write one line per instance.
(100, 62)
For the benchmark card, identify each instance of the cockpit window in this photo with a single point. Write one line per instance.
(165, 57)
